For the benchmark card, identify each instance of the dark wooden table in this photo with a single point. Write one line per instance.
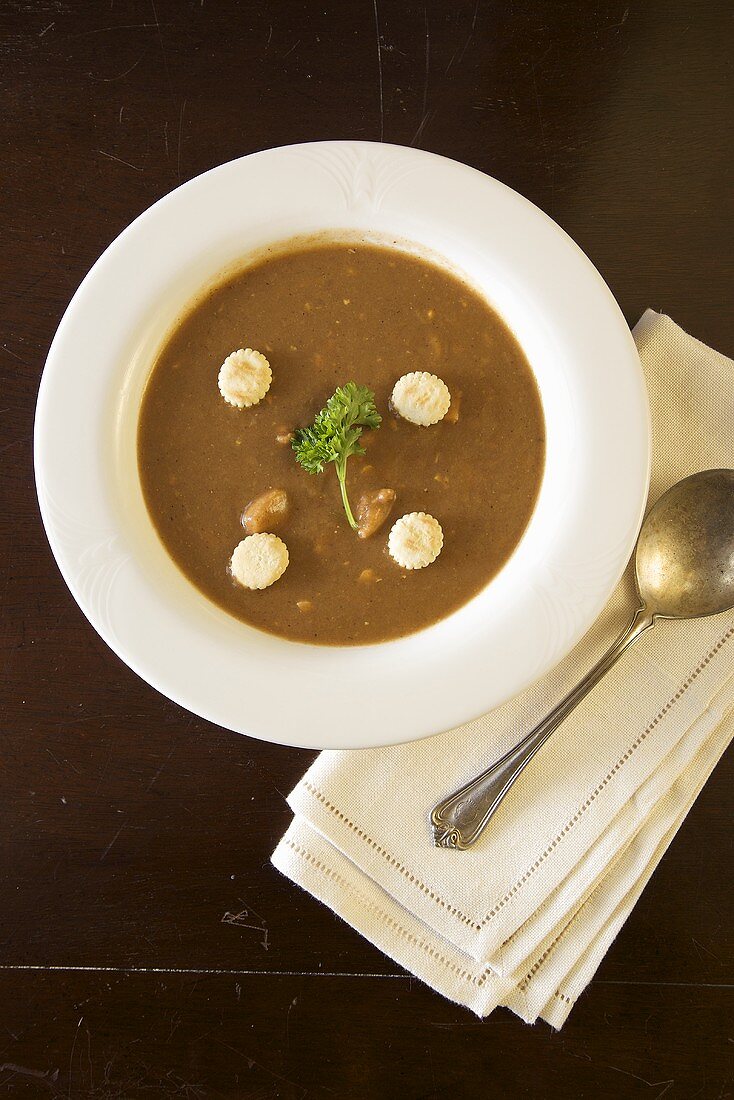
(147, 946)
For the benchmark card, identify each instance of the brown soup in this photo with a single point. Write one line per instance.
(325, 314)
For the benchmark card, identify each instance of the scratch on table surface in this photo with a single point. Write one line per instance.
(160, 770)
(66, 762)
(99, 718)
(700, 947)
(89, 1058)
(102, 774)
(457, 55)
(73, 1048)
(469, 37)
(175, 1024)
(622, 22)
(13, 353)
(104, 853)
(251, 909)
(575, 1054)
(49, 1077)
(252, 1062)
(421, 126)
(291, 1006)
(379, 71)
(650, 1084)
(243, 918)
(425, 113)
(166, 70)
(180, 133)
(433, 1072)
(183, 1087)
(119, 160)
(16, 294)
(46, 29)
(15, 442)
(121, 76)
(240, 920)
(120, 27)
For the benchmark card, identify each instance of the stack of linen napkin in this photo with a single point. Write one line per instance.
(524, 918)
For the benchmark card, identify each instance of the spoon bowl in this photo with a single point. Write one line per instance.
(685, 553)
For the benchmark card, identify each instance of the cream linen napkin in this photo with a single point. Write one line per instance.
(525, 917)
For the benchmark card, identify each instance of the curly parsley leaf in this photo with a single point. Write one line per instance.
(335, 434)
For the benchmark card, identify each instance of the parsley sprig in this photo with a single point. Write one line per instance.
(335, 433)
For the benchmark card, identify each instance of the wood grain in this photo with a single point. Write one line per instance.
(147, 946)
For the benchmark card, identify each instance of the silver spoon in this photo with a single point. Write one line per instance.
(684, 567)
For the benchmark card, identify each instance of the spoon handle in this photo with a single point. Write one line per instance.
(460, 819)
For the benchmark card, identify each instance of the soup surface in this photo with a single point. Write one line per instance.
(326, 314)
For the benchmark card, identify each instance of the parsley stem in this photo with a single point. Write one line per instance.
(334, 435)
(341, 470)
